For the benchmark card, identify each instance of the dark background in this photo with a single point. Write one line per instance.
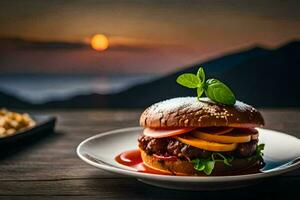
(47, 61)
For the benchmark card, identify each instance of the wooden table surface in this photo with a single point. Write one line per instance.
(49, 167)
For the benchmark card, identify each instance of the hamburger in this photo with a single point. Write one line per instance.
(190, 136)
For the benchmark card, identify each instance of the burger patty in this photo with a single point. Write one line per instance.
(173, 147)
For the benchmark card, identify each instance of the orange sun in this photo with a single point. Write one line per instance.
(99, 42)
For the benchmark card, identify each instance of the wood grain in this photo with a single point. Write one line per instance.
(49, 167)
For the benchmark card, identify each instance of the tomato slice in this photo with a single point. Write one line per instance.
(215, 130)
(161, 133)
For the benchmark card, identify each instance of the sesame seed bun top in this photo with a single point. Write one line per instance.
(189, 112)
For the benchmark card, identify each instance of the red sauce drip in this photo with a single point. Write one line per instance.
(134, 160)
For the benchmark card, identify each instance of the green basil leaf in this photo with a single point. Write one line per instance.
(189, 80)
(201, 74)
(224, 159)
(261, 147)
(198, 164)
(230, 159)
(219, 92)
(200, 91)
(259, 150)
(213, 88)
(212, 81)
(226, 162)
(200, 167)
(209, 166)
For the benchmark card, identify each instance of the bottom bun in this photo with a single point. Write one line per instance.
(186, 168)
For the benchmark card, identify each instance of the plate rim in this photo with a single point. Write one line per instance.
(140, 175)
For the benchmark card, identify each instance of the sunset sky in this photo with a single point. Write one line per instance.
(163, 34)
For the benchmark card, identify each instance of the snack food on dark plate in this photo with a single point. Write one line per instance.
(12, 122)
(190, 136)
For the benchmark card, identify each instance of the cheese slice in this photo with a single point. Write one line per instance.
(207, 145)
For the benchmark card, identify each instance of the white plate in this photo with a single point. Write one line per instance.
(281, 154)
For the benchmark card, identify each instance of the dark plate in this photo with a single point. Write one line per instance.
(44, 125)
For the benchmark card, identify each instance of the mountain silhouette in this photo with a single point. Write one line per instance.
(270, 80)
(258, 76)
(165, 87)
(7, 100)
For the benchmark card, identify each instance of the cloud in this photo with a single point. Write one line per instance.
(25, 44)
(131, 48)
(54, 45)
